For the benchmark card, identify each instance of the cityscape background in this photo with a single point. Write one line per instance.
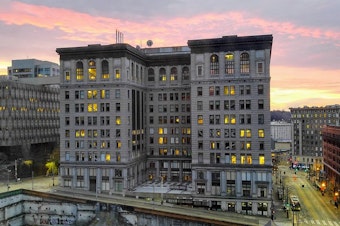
(305, 47)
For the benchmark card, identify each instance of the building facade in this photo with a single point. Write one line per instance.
(29, 116)
(33, 68)
(196, 114)
(281, 130)
(331, 154)
(307, 140)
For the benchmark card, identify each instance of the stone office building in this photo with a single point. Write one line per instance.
(196, 114)
(29, 118)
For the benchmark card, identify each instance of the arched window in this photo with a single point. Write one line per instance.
(162, 74)
(185, 74)
(105, 70)
(173, 74)
(245, 63)
(214, 65)
(79, 71)
(151, 75)
(92, 71)
(229, 64)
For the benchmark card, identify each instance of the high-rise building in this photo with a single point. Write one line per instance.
(307, 139)
(197, 115)
(33, 68)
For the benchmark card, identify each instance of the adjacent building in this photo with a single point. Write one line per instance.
(307, 147)
(33, 68)
(331, 154)
(198, 115)
(29, 118)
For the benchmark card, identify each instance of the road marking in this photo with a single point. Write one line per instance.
(312, 221)
(329, 223)
(317, 221)
(336, 224)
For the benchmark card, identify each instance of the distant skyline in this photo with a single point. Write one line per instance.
(305, 59)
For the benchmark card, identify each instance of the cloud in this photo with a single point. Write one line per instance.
(82, 26)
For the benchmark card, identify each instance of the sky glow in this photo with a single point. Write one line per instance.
(305, 59)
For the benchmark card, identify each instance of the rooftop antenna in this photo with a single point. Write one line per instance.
(119, 37)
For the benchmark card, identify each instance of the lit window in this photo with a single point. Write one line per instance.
(248, 145)
(92, 107)
(229, 63)
(233, 119)
(261, 133)
(118, 158)
(79, 71)
(248, 133)
(162, 74)
(67, 76)
(232, 90)
(160, 130)
(214, 65)
(200, 119)
(107, 157)
(242, 132)
(92, 71)
(117, 74)
(118, 120)
(245, 63)
(249, 159)
(243, 159)
(105, 70)
(92, 94)
(118, 144)
(233, 159)
(226, 90)
(261, 159)
(173, 74)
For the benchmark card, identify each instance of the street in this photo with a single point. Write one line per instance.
(316, 209)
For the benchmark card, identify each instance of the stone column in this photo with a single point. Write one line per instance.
(208, 184)
(223, 183)
(169, 172)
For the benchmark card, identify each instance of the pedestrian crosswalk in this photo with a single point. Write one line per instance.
(321, 222)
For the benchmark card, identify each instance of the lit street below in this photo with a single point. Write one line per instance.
(316, 209)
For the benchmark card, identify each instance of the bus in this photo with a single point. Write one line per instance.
(295, 203)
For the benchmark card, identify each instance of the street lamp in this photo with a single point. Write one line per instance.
(8, 187)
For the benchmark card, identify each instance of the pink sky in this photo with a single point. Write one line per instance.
(305, 56)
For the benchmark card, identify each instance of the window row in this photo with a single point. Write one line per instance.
(173, 108)
(172, 75)
(230, 105)
(230, 145)
(93, 144)
(229, 64)
(231, 90)
(93, 121)
(242, 158)
(172, 120)
(92, 72)
(94, 157)
(91, 94)
(92, 107)
(171, 140)
(230, 119)
(185, 96)
(93, 133)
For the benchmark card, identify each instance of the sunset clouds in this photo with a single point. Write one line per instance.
(305, 56)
